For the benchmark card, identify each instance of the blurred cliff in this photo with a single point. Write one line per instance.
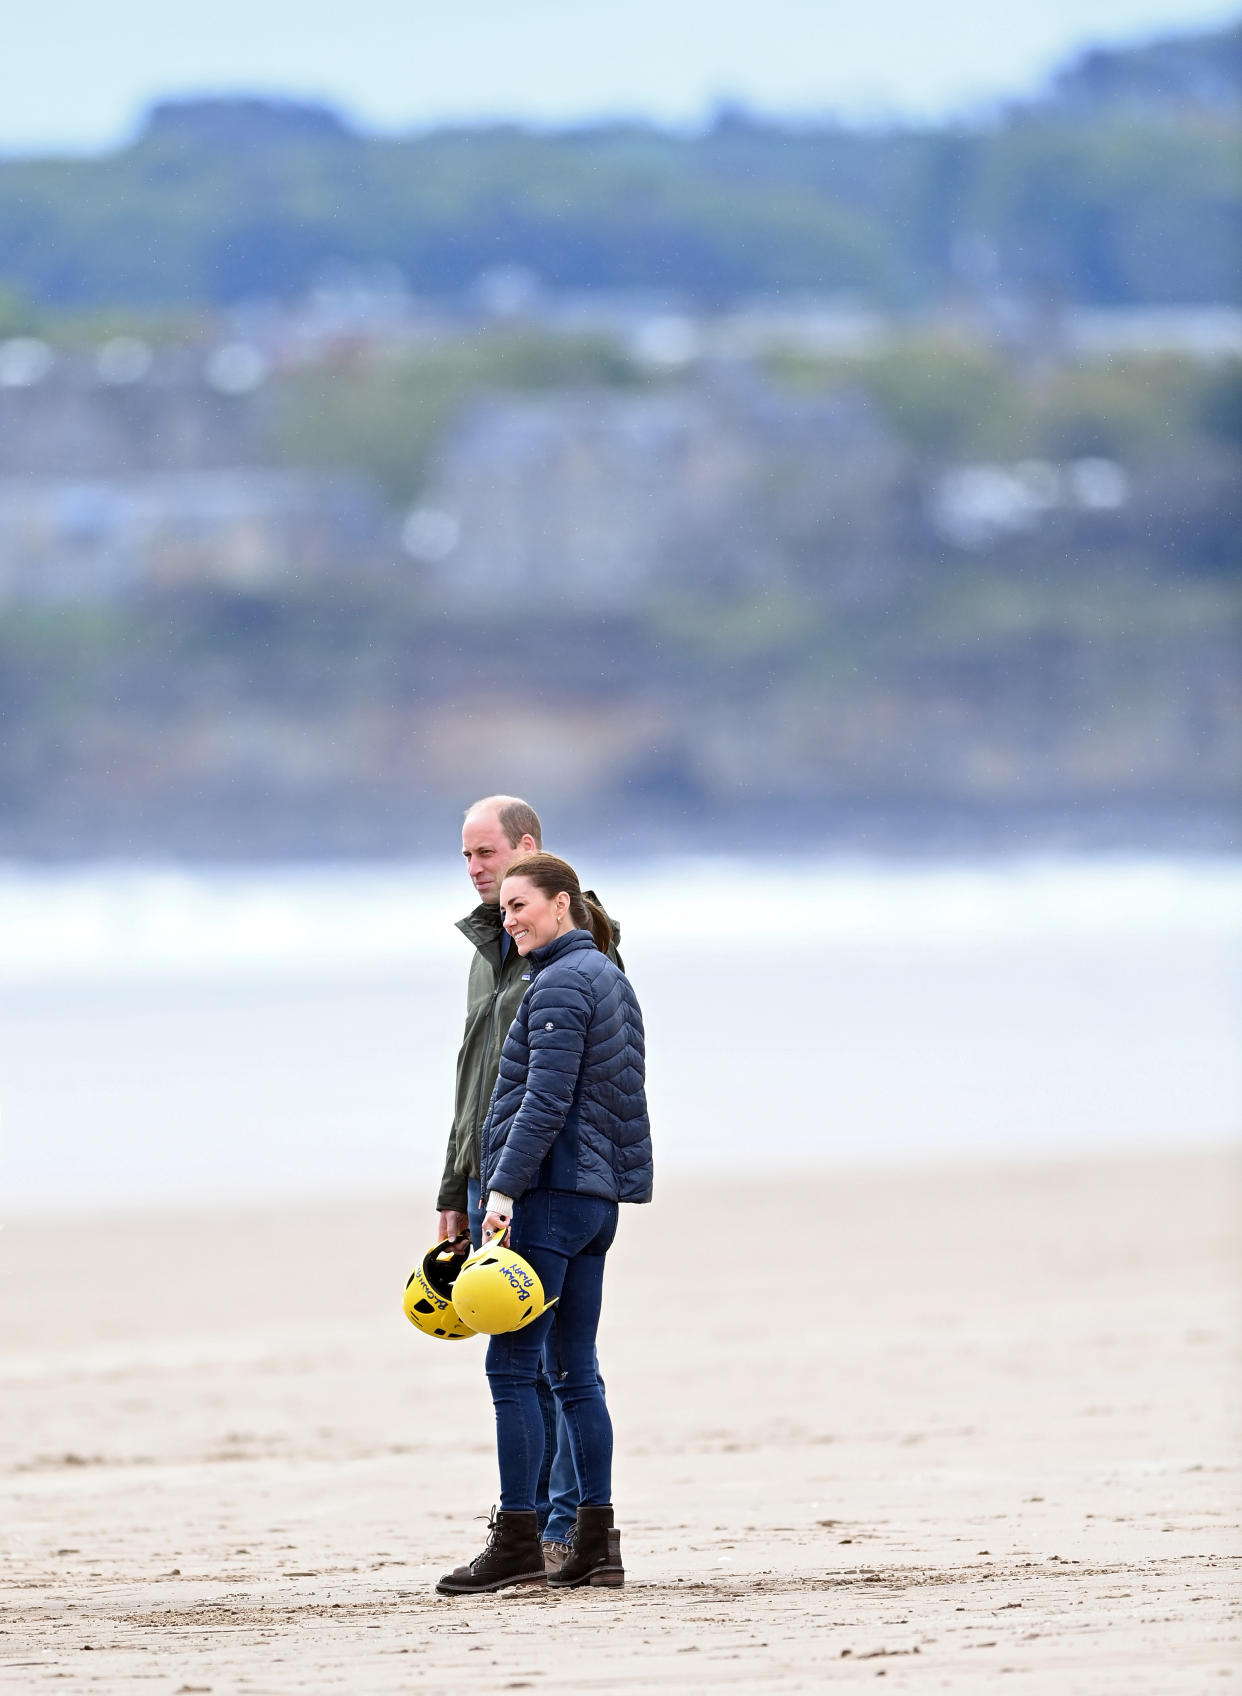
(882, 485)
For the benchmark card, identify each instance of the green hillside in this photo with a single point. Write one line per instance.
(1122, 186)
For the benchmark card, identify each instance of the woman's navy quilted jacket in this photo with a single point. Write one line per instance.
(569, 1111)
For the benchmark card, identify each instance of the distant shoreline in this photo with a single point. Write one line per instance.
(414, 826)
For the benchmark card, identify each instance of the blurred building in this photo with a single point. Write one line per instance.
(77, 538)
(608, 498)
(128, 407)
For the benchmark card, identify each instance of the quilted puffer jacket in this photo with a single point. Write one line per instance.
(496, 985)
(569, 1111)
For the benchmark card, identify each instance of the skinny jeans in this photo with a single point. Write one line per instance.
(565, 1237)
(556, 1493)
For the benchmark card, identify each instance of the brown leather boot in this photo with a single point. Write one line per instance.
(512, 1556)
(594, 1555)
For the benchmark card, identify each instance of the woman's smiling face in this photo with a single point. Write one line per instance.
(532, 918)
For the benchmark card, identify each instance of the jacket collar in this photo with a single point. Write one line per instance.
(570, 943)
(483, 926)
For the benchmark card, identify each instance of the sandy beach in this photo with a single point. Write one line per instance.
(959, 1429)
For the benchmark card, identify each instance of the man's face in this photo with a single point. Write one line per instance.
(488, 854)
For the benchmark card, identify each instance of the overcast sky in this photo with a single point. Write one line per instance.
(77, 73)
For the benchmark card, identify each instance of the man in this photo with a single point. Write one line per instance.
(497, 831)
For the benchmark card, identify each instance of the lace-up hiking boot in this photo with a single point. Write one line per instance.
(512, 1556)
(554, 1554)
(594, 1555)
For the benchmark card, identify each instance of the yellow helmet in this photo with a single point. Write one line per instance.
(497, 1290)
(428, 1294)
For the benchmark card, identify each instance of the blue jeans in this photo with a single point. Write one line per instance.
(566, 1238)
(556, 1489)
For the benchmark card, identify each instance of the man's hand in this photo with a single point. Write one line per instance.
(452, 1225)
(496, 1226)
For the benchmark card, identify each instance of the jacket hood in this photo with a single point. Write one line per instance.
(616, 928)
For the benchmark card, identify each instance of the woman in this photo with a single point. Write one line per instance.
(565, 1140)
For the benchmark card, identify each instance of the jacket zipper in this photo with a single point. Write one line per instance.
(491, 1028)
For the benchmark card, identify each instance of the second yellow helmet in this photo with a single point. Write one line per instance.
(428, 1294)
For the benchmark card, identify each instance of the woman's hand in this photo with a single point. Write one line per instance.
(496, 1226)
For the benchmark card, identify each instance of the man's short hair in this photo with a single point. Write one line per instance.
(517, 818)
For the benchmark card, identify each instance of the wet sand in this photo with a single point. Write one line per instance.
(963, 1429)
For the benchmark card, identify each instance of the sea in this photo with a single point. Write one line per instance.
(175, 1035)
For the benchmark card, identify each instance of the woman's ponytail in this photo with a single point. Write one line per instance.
(592, 917)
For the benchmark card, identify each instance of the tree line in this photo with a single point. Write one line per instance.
(1121, 186)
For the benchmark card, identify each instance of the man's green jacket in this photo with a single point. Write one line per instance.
(494, 990)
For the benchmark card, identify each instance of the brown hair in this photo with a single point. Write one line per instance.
(517, 819)
(555, 877)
